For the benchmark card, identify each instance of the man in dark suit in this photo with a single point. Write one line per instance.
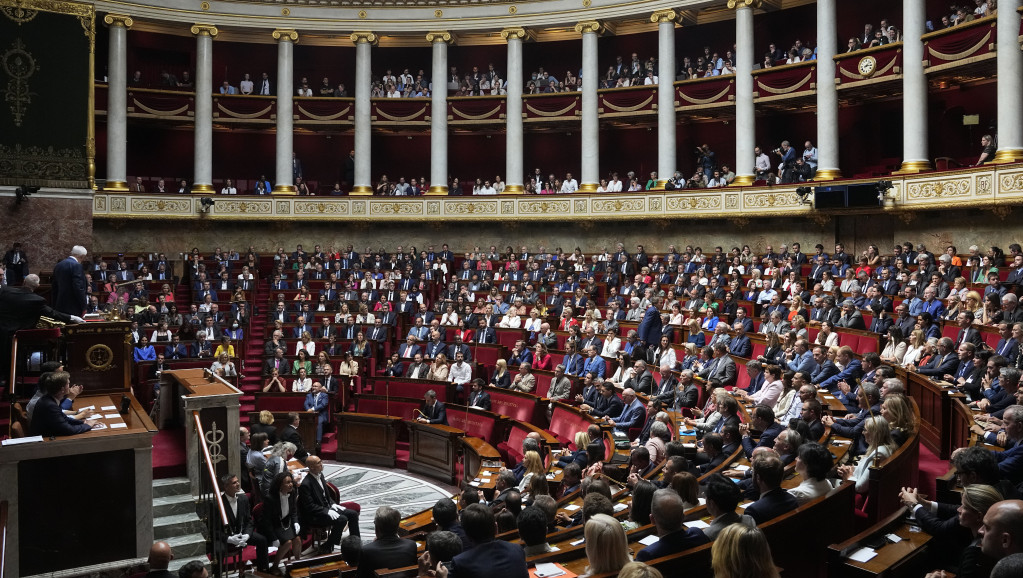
(650, 328)
(48, 418)
(763, 421)
(21, 308)
(68, 281)
(608, 404)
(740, 344)
(642, 381)
(316, 508)
(432, 411)
(479, 397)
(160, 557)
(666, 389)
(943, 362)
(458, 347)
(388, 550)
(667, 515)
(768, 472)
(318, 401)
(239, 521)
(721, 367)
(290, 434)
(967, 332)
(490, 557)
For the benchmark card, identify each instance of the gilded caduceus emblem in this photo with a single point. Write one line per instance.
(19, 66)
(213, 439)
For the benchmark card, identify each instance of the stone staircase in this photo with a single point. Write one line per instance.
(175, 521)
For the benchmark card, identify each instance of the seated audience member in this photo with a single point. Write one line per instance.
(160, 557)
(387, 550)
(48, 419)
(763, 421)
(490, 557)
(265, 427)
(667, 515)
(607, 547)
(639, 509)
(532, 526)
(1002, 530)
(852, 425)
(276, 463)
(740, 551)
(813, 464)
(774, 501)
(441, 547)
(445, 514)
(432, 411)
(878, 436)
(280, 519)
(316, 507)
(976, 501)
(632, 414)
(723, 497)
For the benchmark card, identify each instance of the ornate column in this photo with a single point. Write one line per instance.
(827, 93)
(284, 181)
(589, 170)
(514, 172)
(117, 102)
(1010, 84)
(439, 113)
(363, 131)
(665, 20)
(914, 89)
(202, 180)
(745, 126)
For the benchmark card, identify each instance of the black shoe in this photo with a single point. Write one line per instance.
(324, 549)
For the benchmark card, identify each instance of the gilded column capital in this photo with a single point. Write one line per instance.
(285, 34)
(364, 37)
(666, 16)
(737, 4)
(205, 30)
(514, 32)
(440, 36)
(118, 20)
(594, 26)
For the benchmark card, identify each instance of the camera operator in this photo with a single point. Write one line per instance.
(810, 158)
(697, 181)
(801, 171)
(762, 164)
(788, 161)
(705, 161)
(675, 183)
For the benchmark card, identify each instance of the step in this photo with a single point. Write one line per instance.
(176, 525)
(187, 545)
(171, 487)
(177, 563)
(172, 505)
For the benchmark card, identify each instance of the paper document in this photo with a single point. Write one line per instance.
(651, 539)
(894, 538)
(619, 507)
(862, 555)
(572, 507)
(111, 416)
(108, 408)
(118, 425)
(99, 426)
(25, 440)
(689, 446)
(548, 570)
(698, 524)
(88, 408)
(577, 542)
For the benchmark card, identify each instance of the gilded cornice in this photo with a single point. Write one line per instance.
(118, 20)
(588, 26)
(737, 4)
(666, 16)
(205, 30)
(440, 36)
(516, 32)
(285, 34)
(364, 37)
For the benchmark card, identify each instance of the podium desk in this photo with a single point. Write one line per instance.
(433, 450)
(81, 500)
(366, 438)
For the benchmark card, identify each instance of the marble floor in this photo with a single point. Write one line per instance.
(376, 487)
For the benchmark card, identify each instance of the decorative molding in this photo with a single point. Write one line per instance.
(738, 4)
(516, 32)
(666, 16)
(361, 36)
(587, 26)
(205, 30)
(285, 34)
(440, 36)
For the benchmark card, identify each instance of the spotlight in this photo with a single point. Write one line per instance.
(205, 203)
(804, 195)
(24, 191)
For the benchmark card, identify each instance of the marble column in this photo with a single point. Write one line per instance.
(514, 163)
(117, 102)
(202, 179)
(745, 124)
(1010, 84)
(914, 88)
(666, 153)
(589, 170)
(284, 179)
(439, 113)
(364, 42)
(827, 92)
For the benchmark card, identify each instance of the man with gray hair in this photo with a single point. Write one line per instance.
(1011, 313)
(942, 363)
(851, 317)
(21, 308)
(1010, 461)
(667, 513)
(68, 281)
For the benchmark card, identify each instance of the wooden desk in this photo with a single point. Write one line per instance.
(433, 450)
(366, 438)
(109, 470)
(902, 559)
(477, 452)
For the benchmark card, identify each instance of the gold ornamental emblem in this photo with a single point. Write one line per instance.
(99, 357)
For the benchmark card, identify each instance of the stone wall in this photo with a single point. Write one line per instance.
(47, 224)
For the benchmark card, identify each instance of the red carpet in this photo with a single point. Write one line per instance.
(930, 467)
(169, 454)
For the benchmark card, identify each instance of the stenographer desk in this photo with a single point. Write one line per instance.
(81, 500)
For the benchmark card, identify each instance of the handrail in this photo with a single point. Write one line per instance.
(3, 538)
(209, 467)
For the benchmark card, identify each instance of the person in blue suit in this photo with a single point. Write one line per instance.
(667, 513)
(318, 401)
(49, 419)
(774, 501)
(650, 328)
(68, 283)
(633, 413)
(490, 557)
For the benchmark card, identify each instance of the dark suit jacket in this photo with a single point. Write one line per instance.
(771, 505)
(481, 399)
(436, 414)
(766, 439)
(290, 434)
(387, 552)
(612, 406)
(642, 384)
(313, 503)
(939, 366)
(650, 327)
(494, 559)
(21, 309)
(68, 282)
(271, 519)
(49, 420)
(242, 524)
(672, 543)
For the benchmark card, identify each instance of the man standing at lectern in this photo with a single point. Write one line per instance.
(69, 283)
(433, 411)
(21, 308)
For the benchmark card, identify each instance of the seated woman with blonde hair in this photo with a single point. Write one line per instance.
(607, 547)
(741, 551)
